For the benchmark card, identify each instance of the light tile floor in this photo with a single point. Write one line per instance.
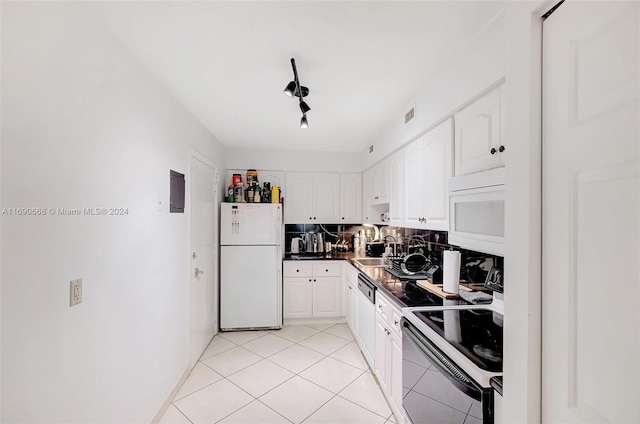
(299, 374)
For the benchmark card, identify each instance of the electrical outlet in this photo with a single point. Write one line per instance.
(75, 292)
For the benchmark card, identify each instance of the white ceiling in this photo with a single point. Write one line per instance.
(363, 61)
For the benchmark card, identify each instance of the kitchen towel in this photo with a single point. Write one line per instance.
(451, 272)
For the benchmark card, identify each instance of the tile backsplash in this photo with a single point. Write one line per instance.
(474, 265)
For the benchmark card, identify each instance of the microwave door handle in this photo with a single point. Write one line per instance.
(447, 368)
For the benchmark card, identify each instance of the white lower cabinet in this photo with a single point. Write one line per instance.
(351, 297)
(312, 290)
(388, 351)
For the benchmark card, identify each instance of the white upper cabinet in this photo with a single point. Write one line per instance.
(396, 184)
(438, 165)
(479, 136)
(326, 197)
(351, 198)
(380, 191)
(312, 197)
(298, 199)
(414, 179)
(323, 198)
(427, 169)
(368, 213)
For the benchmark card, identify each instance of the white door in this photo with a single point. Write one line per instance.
(414, 193)
(478, 135)
(591, 288)
(368, 182)
(438, 170)
(326, 198)
(298, 205)
(203, 282)
(350, 198)
(326, 296)
(250, 287)
(396, 183)
(298, 297)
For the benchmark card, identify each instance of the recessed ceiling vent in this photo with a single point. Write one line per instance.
(409, 115)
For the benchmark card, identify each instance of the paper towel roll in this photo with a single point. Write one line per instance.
(451, 271)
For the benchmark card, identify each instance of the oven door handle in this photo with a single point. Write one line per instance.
(448, 369)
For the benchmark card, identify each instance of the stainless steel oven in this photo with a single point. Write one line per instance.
(448, 358)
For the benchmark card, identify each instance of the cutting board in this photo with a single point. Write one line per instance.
(436, 289)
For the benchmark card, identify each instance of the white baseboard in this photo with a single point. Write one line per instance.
(170, 398)
(303, 321)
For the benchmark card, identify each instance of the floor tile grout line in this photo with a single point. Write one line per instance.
(258, 400)
(180, 410)
(331, 391)
(316, 410)
(253, 398)
(175, 399)
(364, 407)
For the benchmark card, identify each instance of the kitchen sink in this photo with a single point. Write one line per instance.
(372, 262)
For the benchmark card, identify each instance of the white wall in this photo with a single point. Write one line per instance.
(471, 73)
(293, 160)
(522, 297)
(85, 126)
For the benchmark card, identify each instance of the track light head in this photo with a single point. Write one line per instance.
(304, 107)
(294, 89)
(290, 89)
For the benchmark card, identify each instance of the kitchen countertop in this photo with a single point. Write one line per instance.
(329, 257)
(404, 293)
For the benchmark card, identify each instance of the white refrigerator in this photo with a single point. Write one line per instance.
(250, 266)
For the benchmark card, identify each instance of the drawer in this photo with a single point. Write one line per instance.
(382, 305)
(297, 269)
(394, 320)
(327, 269)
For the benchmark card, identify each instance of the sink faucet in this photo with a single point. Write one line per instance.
(395, 243)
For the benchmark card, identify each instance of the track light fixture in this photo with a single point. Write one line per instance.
(294, 89)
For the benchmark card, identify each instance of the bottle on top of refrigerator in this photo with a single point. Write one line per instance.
(275, 194)
(230, 193)
(239, 194)
(250, 192)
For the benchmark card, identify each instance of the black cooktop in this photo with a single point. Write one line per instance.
(409, 294)
(476, 333)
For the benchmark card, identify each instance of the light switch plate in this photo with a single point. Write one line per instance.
(75, 292)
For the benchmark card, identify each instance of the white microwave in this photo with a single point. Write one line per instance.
(476, 211)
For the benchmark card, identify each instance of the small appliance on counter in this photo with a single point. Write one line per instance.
(297, 245)
(314, 243)
(375, 249)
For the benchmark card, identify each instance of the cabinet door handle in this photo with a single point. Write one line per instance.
(314, 279)
(343, 217)
(309, 279)
(501, 149)
(493, 151)
(395, 322)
